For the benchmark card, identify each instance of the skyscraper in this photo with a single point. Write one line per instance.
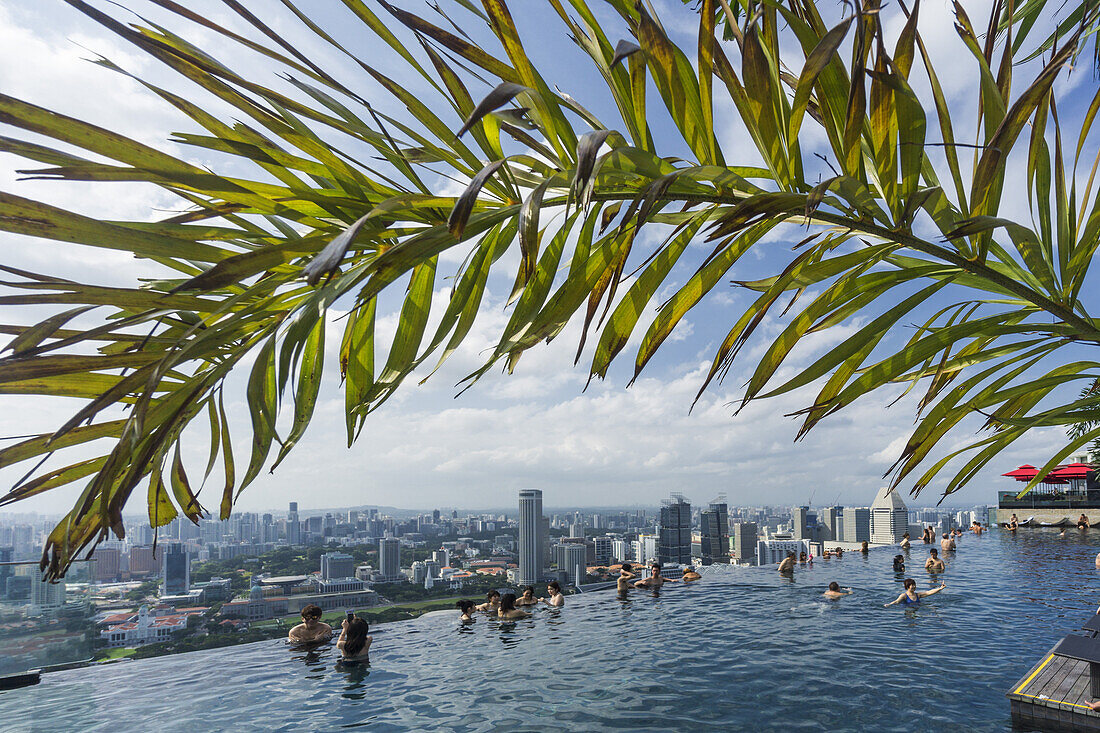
(175, 570)
(389, 558)
(745, 536)
(829, 521)
(714, 528)
(337, 565)
(570, 558)
(889, 517)
(857, 524)
(799, 530)
(45, 596)
(531, 537)
(674, 537)
(293, 525)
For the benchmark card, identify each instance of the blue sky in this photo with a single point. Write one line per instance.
(539, 427)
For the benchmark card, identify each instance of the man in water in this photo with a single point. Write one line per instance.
(1083, 522)
(947, 543)
(976, 528)
(1013, 523)
(626, 574)
(835, 591)
(786, 565)
(312, 629)
(934, 564)
(654, 580)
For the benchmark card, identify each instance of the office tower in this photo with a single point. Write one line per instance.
(531, 534)
(544, 541)
(714, 528)
(889, 517)
(6, 555)
(389, 558)
(674, 543)
(602, 549)
(175, 570)
(619, 550)
(570, 558)
(799, 528)
(432, 568)
(829, 521)
(418, 572)
(442, 558)
(107, 563)
(293, 526)
(745, 536)
(143, 561)
(45, 596)
(576, 529)
(435, 516)
(337, 565)
(857, 524)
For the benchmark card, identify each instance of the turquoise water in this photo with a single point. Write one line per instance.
(743, 649)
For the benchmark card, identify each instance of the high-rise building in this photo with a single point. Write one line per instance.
(107, 563)
(175, 570)
(799, 528)
(674, 543)
(442, 558)
(619, 551)
(602, 547)
(570, 558)
(293, 525)
(532, 535)
(337, 565)
(771, 552)
(6, 555)
(745, 536)
(889, 517)
(714, 528)
(857, 524)
(418, 571)
(829, 521)
(389, 559)
(45, 596)
(143, 561)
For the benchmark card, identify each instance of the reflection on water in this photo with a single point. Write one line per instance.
(720, 654)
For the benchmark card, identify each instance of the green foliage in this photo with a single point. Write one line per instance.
(892, 231)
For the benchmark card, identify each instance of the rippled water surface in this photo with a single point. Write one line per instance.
(743, 649)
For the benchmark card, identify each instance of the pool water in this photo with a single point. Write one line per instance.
(742, 649)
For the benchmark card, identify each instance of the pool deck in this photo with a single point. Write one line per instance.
(1054, 695)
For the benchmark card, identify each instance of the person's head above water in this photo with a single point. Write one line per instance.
(355, 637)
(910, 584)
(528, 591)
(834, 586)
(899, 558)
(508, 602)
(553, 587)
(934, 552)
(465, 606)
(311, 614)
(493, 595)
(627, 567)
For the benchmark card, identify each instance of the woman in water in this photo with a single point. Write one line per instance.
(863, 547)
(557, 598)
(508, 610)
(528, 597)
(466, 610)
(899, 563)
(492, 602)
(905, 541)
(835, 591)
(690, 575)
(354, 642)
(911, 596)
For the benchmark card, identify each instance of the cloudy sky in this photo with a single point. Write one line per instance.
(541, 427)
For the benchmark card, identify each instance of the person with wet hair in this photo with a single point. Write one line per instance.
(899, 563)
(528, 597)
(655, 579)
(557, 598)
(466, 610)
(354, 642)
(626, 574)
(864, 547)
(905, 543)
(786, 565)
(911, 596)
(492, 602)
(947, 543)
(934, 563)
(312, 629)
(835, 591)
(690, 574)
(508, 610)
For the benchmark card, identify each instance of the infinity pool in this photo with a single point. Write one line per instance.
(743, 649)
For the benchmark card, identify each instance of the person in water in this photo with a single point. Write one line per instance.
(1083, 522)
(976, 528)
(899, 563)
(690, 575)
(947, 543)
(528, 597)
(928, 535)
(911, 596)
(802, 558)
(786, 565)
(492, 602)
(934, 564)
(508, 610)
(626, 574)
(312, 629)
(466, 610)
(1013, 523)
(557, 598)
(836, 592)
(354, 643)
(863, 547)
(905, 544)
(655, 579)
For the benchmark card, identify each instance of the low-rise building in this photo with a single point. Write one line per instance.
(145, 628)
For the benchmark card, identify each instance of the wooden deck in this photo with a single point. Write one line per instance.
(1054, 695)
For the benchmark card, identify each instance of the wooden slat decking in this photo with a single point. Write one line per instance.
(1054, 695)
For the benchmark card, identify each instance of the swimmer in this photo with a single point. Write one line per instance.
(655, 580)
(508, 610)
(690, 575)
(1062, 534)
(839, 552)
(786, 565)
(626, 574)
(826, 554)
(911, 596)
(905, 541)
(312, 628)
(1098, 565)
(835, 591)
(976, 528)
(947, 543)
(492, 602)
(354, 643)
(466, 610)
(557, 598)
(934, 564)
(528, 597)
(863, 547)
(802, 558)
(899, 563)
(1083, 522)
(927, 536)
(1012, 524)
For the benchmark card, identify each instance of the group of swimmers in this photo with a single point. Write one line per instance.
(1013, 523)
(354, 641)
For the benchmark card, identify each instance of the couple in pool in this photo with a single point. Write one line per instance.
(655, 579)
(354, 642)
